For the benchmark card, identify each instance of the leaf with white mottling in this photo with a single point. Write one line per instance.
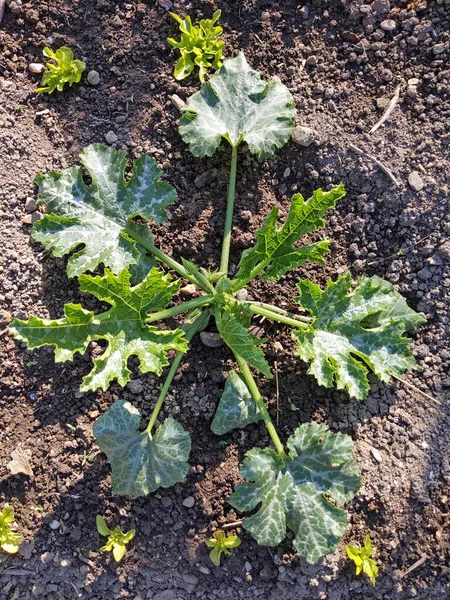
(141, 463)
(355, 332)
(94, 216)
(293, 491)
(236, 409)
(275, 250)
(236, 104)
(122, 326)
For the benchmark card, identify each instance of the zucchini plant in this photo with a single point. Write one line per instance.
(343, 331)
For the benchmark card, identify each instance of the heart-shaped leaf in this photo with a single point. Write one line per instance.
(140, 463)
(355, 332)
(94, 216)
(294, 491)
(237, 105)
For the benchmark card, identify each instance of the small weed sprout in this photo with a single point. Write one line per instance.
(362, 559)
(116, 539)
(66, 70)
(9, 541)
(221, 544)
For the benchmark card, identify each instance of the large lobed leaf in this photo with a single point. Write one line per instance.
(274, 247)
(295, 491)
(140, 463)
(122, 326)
(236, 104)
(95, 215)
(236, 409)
(355, 331)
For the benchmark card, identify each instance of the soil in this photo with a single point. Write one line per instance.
(342, 66)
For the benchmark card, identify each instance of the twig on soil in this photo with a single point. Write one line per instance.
(402, 251)
(257, 37)
(388, 111)
(233, 524)
(415, 565)
(416, 389)
(376, 161)
(277, 397)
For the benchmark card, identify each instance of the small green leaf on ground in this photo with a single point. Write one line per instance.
(90, 219)
(140, 463)
(116, 539)
(354, 332)
(9, 541)
(362, 559)
(122, 327)
(236, 406)
(221, 544)
(275, 250)
(295, 491)
(63, 70)
(237, 105)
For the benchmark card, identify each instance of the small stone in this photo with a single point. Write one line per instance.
(204, 570)
(116, 22)
(54, 525)
(111, 137)
(121, 119)
(388, 25)
(166, 501)
(248, 566)
(376, 454)
(425, 274)
(190, 579)
(135, 386)
(311, 61)
(415, 181)
(31, 219)
(304, 12)
(438, 49)
(26, 549)
(358, 265)
(206, 178)
(303, 136)
(189, 290)
(189, 502)
(351, 37)
(30, 205)
(287, 172)
(93, 77)
(47, 557)
(36, 67)
(413, 82)
(211, 339)
(65, 563)
(177, 101)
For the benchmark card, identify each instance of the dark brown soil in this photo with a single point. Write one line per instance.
(342, 69)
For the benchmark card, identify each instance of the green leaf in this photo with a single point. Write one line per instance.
(236, 406)
(220, 544)
(102, 527)
(294, 491)
(236, 337)
(122, 326)
(94, 216)
(237, 105)
(274, 252)
(9, 541)
(362, 559)
(141, 464)
(355, 332)
(66, 70)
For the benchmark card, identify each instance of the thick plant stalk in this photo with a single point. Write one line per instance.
(254, 391)
(179, 308)
(197, 325)
(270, 312)
(229, 215)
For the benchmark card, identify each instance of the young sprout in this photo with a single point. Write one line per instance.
(9, 541)
(64, 69)
(221, 544)
(116, 539)
(362, 559)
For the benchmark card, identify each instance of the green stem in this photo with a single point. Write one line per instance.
(271, 313)
(197, 325)
(254, 391)
(180, 308)
(161, 256)
(229, 215)
(238, 284)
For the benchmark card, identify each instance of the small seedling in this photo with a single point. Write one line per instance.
(199, 46)
(362, 559)
(221, 544)
(116, 539)
(9, 541)
(66, 70)
(86, 458)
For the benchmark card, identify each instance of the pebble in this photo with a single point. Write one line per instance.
(204, 570)
(311, 61)
(111, 137)
(190, 579)
(388, 25)
(31, 219)
(248, 566)
(425, 274)
(376, 454)
(177, 101)
(135, 386)
(287, 172)
(93, 77)
(30, 205)
(36, 67)
(303, 136)
(211, 339)
(415, 181)
(189, 502)
(166, 501)
(54, 525)
(121, 119)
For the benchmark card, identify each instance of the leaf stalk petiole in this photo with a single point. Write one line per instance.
(280, 315)
(229, 214)
(179, 308)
